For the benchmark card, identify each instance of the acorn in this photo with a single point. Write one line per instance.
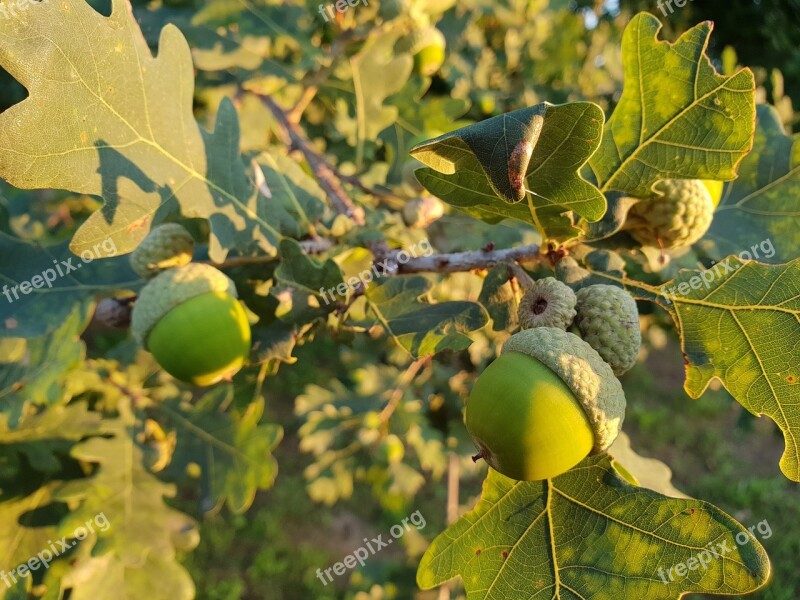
(678, 217)
(427, 46)
(547, 303)
(166, 246)
(608, 320)
(546, 403)
(189, 318)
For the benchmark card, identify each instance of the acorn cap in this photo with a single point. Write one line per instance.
(172, 287)
(583, 370)
(166, 246)
(547, 303)
(608, 320)
(678, 217)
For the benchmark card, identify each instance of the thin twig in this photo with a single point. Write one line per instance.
(325, 175)
(402, 385)
(466, 261)
(313, 246)
(313, 80)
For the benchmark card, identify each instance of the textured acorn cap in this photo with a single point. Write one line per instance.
(608, 321)
(583, 370)
(547, 303)
(166, 246)
(677, 218)
(172, 287)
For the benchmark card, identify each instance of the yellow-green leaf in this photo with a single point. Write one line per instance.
(590, 534)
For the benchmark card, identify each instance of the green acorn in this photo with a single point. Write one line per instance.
(547, 303)
(427, 46)
(192, 323)
(166, 246)
(608, 320)
(546, 403)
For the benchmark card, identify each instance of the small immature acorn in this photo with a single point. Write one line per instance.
(547, 303)
(677, 218)
(427, 46)
(166, 246)
(192, 323)
(546, 403)
(608, 321)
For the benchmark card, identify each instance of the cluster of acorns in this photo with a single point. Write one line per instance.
(552, 397)
(187, 315)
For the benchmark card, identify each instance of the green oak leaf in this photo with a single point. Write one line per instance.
(740, 322)
(419, 327)
(41, 285)
(33, 370)
(414, 119)
(134, 555)
(304, 272)
(105, 117)
(764, 202)
(673, 97)
(375, 73)
(304, 286)
(293, 201)
(590, 534)
(522, 165)
(234, 453)
(646, 472)
(24, 533)
(43, 436)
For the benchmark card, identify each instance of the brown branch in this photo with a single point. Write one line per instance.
(313, 80)
(463, 261)
(326, 177)
(389, 260)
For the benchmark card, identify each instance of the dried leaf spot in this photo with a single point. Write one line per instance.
(518, 166)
